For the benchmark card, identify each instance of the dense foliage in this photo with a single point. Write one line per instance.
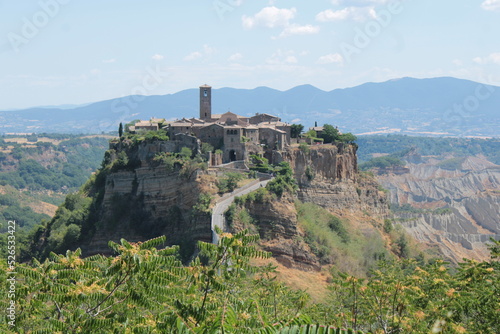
(284, 181)
(143, 289)
(45, 166)
(382, 162)
(229, 182)
(12, 209)
(296, 130)
(32, 175)
(429, 146)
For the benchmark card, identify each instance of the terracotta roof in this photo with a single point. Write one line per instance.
(212, 124)
(145, 123)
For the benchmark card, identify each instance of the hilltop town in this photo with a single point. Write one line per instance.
(238, 137)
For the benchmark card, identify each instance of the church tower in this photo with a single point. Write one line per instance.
(205, 102)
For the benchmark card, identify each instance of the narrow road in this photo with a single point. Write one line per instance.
(218, 218)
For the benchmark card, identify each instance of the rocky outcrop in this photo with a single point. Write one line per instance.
(328, 176)
(328, 163)
(277, 226)
(456, 210)
(147, 200)
(143, 199)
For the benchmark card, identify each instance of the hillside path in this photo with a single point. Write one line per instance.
(221, 206)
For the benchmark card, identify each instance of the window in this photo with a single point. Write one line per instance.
(205, 93)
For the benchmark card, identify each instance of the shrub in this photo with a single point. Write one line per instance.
(121, 162)
(304, 147)
(284, 181)
(310, 174)
(388, 226)
(229, 182)
(206, 147)
(230, 213)
(203, 204)
(186, 153)
(336, 225)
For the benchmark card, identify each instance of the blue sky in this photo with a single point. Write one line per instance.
(55, 52)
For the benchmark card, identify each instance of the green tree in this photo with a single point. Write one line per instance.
(284, 182)
(186, 153)
(120, 130)
(348, 138)
(206, 147)
(311, 134)
(296, 130)
(330, 134)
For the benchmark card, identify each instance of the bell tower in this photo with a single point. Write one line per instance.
(205, 102)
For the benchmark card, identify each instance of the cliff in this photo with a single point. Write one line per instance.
(145, 198)
(327, 176)
(277, 225)
(134, 196)
(138, 196)
(454, 209)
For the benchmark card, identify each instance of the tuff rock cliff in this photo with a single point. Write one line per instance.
(327, 176)
(136, 196)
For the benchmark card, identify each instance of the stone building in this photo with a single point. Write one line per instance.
(237, 136)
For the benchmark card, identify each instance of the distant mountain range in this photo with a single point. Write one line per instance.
(438, 106)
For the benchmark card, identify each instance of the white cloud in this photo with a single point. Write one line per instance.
(348, 13)
(457, 62)
(359, 3)
(282, 58)
(157, 57)
(331, 58)
(493, 58)
(193, 56)
(269, 17)
(109, 61)
(235, 57)
(492, 5)
(330, 15)
(295, 29)
(207, 51)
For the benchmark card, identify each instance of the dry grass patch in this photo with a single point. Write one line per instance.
(313, 282)
(43, 207)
